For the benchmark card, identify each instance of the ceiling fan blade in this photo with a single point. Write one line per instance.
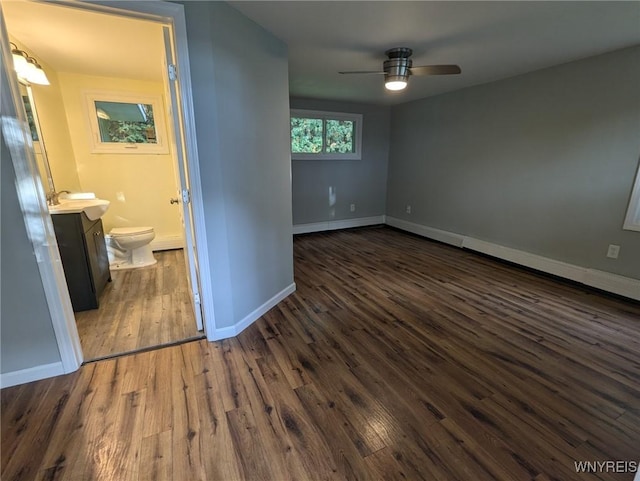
(366, 72)
(435, 70)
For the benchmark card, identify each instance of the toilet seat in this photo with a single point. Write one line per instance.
(129, 231)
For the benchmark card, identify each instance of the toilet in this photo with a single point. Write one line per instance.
(129, 247)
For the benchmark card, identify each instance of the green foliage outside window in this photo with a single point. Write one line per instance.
(340, 136)
(307, 136)
(138, 131)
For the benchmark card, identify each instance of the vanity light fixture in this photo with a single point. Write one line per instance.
(19, 58)
(27, 68)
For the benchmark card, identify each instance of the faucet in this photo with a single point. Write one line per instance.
(52, 196)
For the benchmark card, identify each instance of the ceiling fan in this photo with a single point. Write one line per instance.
(398, 67)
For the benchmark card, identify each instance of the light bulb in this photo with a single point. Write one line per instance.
(35, 74)
(395, 85)
(20, 63)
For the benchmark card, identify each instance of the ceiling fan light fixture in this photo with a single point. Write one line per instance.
(395, 84)
(397, 69)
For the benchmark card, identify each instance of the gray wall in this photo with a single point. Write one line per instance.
(543, 162)
(240, 83)
(26, 333)
(361, 182)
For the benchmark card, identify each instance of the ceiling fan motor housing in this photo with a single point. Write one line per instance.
(398, 65)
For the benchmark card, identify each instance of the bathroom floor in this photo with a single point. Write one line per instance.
(139, 309)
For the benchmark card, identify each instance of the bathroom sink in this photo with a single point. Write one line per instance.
(93, 208)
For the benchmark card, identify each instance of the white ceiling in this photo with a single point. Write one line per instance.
(71, 40)
(489, 40)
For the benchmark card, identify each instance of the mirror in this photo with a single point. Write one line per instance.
(42, 160)
(29, 110)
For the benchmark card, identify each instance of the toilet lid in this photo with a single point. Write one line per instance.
(116, 231)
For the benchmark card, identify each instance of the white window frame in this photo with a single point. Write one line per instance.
(632, 219)
(99, 147)
(320, 114)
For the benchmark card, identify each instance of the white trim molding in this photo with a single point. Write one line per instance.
(167, 242)
(237, 328)
(36, 373)
(632, 219)
(424, 231)
(544, 264)
(36, 215)
(613, 283)
(338, 224)
(623, 286)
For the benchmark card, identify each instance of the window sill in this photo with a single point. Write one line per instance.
(325, 157)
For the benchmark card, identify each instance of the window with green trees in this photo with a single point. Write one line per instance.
(126, 123)
(325, 135)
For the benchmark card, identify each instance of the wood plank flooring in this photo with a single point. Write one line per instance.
(396, 359)
(139, 309)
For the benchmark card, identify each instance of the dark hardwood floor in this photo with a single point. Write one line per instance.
(396, 359)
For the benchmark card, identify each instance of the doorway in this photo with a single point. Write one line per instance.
(140, 309)
(174, 275)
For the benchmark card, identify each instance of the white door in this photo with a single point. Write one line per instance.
(185, 199)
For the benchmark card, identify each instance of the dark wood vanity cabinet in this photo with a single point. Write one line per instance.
(83, 252)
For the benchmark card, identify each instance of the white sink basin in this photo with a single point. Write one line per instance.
(93, 208)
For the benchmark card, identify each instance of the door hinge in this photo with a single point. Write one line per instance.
(196, 297)
(186, 197)
(173, 72)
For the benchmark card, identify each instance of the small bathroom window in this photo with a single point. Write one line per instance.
(126, 124)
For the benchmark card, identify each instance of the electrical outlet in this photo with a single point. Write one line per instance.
(352, 207)
(613, 251)
(408, 209)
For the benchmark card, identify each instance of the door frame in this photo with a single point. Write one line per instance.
(37, 220)
(172, 92)
(52, 275)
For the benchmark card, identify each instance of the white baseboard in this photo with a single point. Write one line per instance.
(424, 231)
(35, 373)
(167, 242)
(231, 331)
(623, 286)
(338, 224)
(544, 264)
(616, 284)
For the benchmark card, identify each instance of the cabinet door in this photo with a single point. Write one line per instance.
(75, 260)
(98, 258)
